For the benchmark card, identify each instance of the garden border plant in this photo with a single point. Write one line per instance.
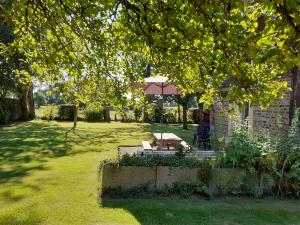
(275, 158)
(155, 160)
(274, 162)
(179, 189)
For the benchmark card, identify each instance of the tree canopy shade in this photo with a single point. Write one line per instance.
(14, 79)
(198, 44)
(201, 44)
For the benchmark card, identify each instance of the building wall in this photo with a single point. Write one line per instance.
(219, 118)
(260, 119)
(273, 117)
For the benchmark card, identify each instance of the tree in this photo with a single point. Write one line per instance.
(15, 75)
(183, 100)
(70, 45)
(199, 44)
(8, 78)
(48, 95)
(40, 98)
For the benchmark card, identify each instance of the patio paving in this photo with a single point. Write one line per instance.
(130, 149)
(195, 154)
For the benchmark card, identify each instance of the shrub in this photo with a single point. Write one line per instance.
(278, 156)
(10, 110)
(150, 161)
(66, 112)
(230, 181)
(286, 160)
(180, 151)
(193, 115)
(170, 117)
(217, 143)
(186, 189)
(183, 189)
(137, 113)
(4, 117)
(157, 113)
(244, 149)
(153, 114)
(93, 114)
(149, 115)
(128, 117)
(49, 112)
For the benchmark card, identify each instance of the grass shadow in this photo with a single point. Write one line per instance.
(197, 212)
(26, 147)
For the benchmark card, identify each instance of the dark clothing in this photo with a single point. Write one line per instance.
(203, 130)
(202, 135)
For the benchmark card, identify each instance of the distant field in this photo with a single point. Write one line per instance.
(46, 178)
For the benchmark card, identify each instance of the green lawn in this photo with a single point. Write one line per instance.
(48, 179)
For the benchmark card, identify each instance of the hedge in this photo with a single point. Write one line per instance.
(66, 112)
(193, 115)
(48, 112)
(10, 110)
(150, 161)
(93, 114)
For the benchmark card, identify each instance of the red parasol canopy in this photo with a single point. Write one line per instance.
(159, 86)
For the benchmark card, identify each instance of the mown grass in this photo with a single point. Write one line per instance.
(46, 178)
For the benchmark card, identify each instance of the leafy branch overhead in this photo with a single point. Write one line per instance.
(203, 46)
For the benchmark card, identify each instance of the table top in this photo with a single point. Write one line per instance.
(166, 136)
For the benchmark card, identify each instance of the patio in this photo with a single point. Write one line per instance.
(169, 142)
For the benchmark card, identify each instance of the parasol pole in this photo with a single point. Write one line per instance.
(162, 116)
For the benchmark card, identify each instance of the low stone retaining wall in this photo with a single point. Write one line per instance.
(127, 177)
(167, 176)
(221, 180)
(159, 177)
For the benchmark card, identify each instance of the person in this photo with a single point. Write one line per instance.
(202, 135)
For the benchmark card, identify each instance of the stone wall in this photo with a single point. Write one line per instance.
(221, 180)
(219, 118)
(262, 119)
(127, 176)
(167, 176)
(159, 177)
(268, 119)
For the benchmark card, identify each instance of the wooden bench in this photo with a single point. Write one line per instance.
(146, 146)
(159, 152)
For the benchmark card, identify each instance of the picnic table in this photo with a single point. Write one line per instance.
(170, 140)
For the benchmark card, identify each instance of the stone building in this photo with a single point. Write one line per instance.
(258, 119)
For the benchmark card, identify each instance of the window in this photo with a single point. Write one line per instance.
(245, 112)
(246, 115)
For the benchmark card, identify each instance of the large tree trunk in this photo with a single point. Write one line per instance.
(184, 116)
(106, 114)
(23, 99)
(200, 107)
(178, 113)
(31, 110)
(75, 118)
